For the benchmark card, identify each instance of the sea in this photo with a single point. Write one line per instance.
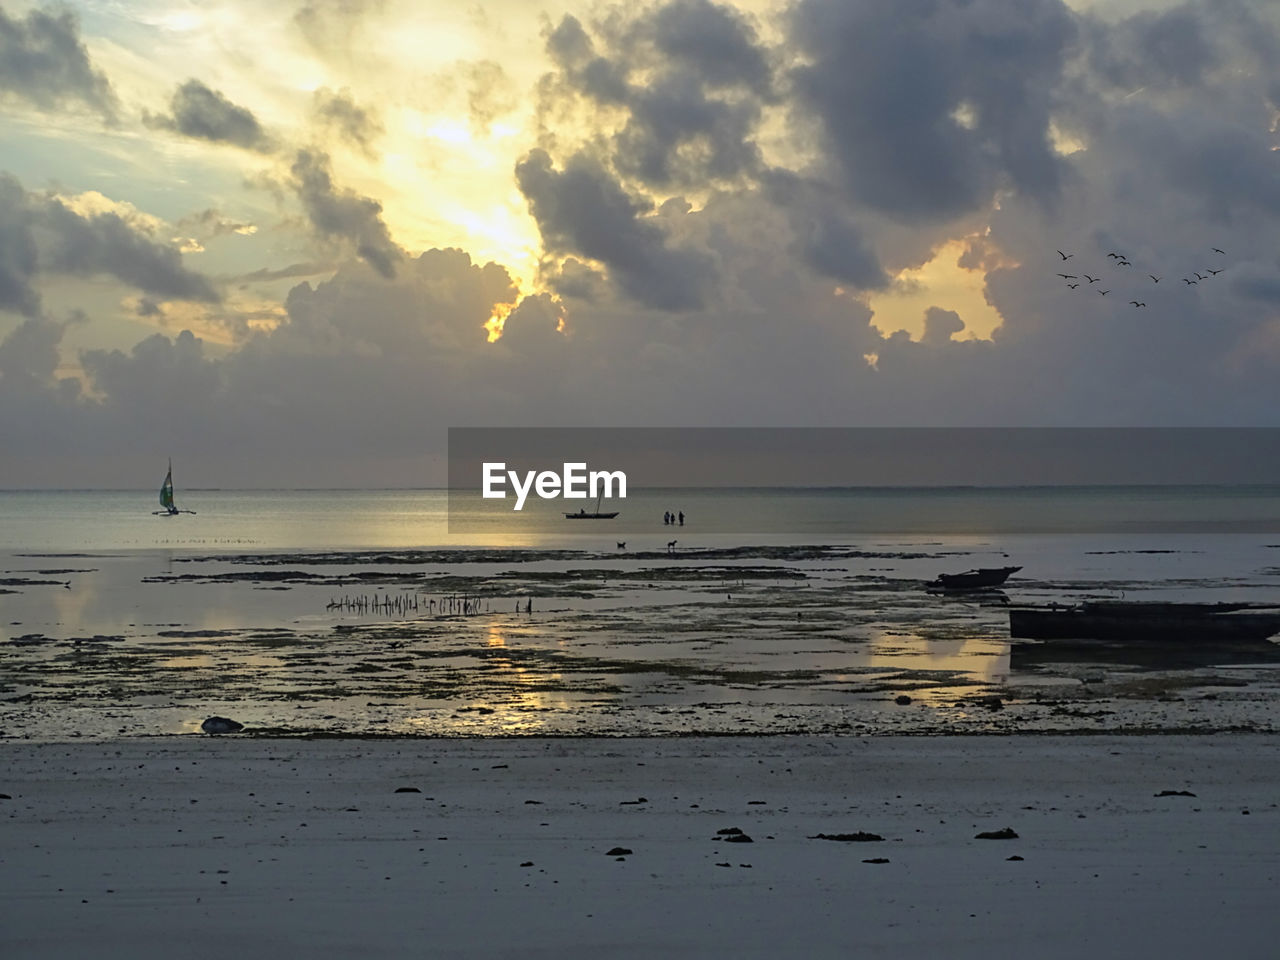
(769, 610)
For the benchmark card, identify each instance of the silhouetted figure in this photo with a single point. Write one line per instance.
(529, 608)
(682, 518)
(622, 544)
(666, 519)
(671, 547)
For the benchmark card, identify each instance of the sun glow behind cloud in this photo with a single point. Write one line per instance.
(940, 282)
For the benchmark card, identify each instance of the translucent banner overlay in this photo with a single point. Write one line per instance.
(814, 482)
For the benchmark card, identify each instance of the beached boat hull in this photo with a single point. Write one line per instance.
(591, 516)
(1144, 623)
(979, 579)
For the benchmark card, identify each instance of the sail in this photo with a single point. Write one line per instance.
(166, 491)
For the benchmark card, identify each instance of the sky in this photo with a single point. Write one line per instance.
(291, 244)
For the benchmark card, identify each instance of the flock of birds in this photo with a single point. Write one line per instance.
(1074, 281)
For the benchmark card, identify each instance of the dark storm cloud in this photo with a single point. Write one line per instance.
(354, 123)
(205, 114)
(584, 210)
(343, 215)
(940, 324)
(43, 61)
(31, 351)
(18, 254)
(927, 107)
(826, 238)
(40, 234)
(713, 39)
(105, 243)
(674, 112)
(1168, 47)
(696, 102)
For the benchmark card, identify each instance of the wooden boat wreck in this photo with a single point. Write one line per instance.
(979, 579)
(1146, 622)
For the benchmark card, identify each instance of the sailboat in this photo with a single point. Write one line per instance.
(166, 497)
(597, 515)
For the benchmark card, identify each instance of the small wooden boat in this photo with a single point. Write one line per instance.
(1146, 622)
(593, 515)
(979, 579)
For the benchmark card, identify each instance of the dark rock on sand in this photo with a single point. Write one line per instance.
(5, 796)
(1175, 793)
(737, 838)
(728, 831)
(1005, 834)
(877, 860)
(407, 790)
(618, 852)
(859, 837)
(1014, 857)
(902, 700)
(221, 725)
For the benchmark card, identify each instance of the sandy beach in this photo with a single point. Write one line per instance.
(258, 847)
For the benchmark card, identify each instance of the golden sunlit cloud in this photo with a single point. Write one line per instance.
(939, 282)
(498, 320)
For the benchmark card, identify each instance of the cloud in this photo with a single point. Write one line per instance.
(205, 114)
(43, 61)
(210, 223)
(87, 235)
(107, 243)
(693, 109)
(339, 112)
(343, 215)
(31, 351)
(328, 25)
(927, 108)
(583, 210)
(18, 254)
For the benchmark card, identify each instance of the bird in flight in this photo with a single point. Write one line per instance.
(1213, 272)
(1123, 263)
(1137, 304)
(1068, 276)
(1189, 282)
(1073, 285)
(1197, 275)
(1065, 256)
(1216, 250)
(1092, 279)
(1118, 256)
(1103, 292)
(1154, 277)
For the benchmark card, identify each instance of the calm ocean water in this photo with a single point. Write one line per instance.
(67, 521)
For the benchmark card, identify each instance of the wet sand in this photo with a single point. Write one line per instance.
(254, 847)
